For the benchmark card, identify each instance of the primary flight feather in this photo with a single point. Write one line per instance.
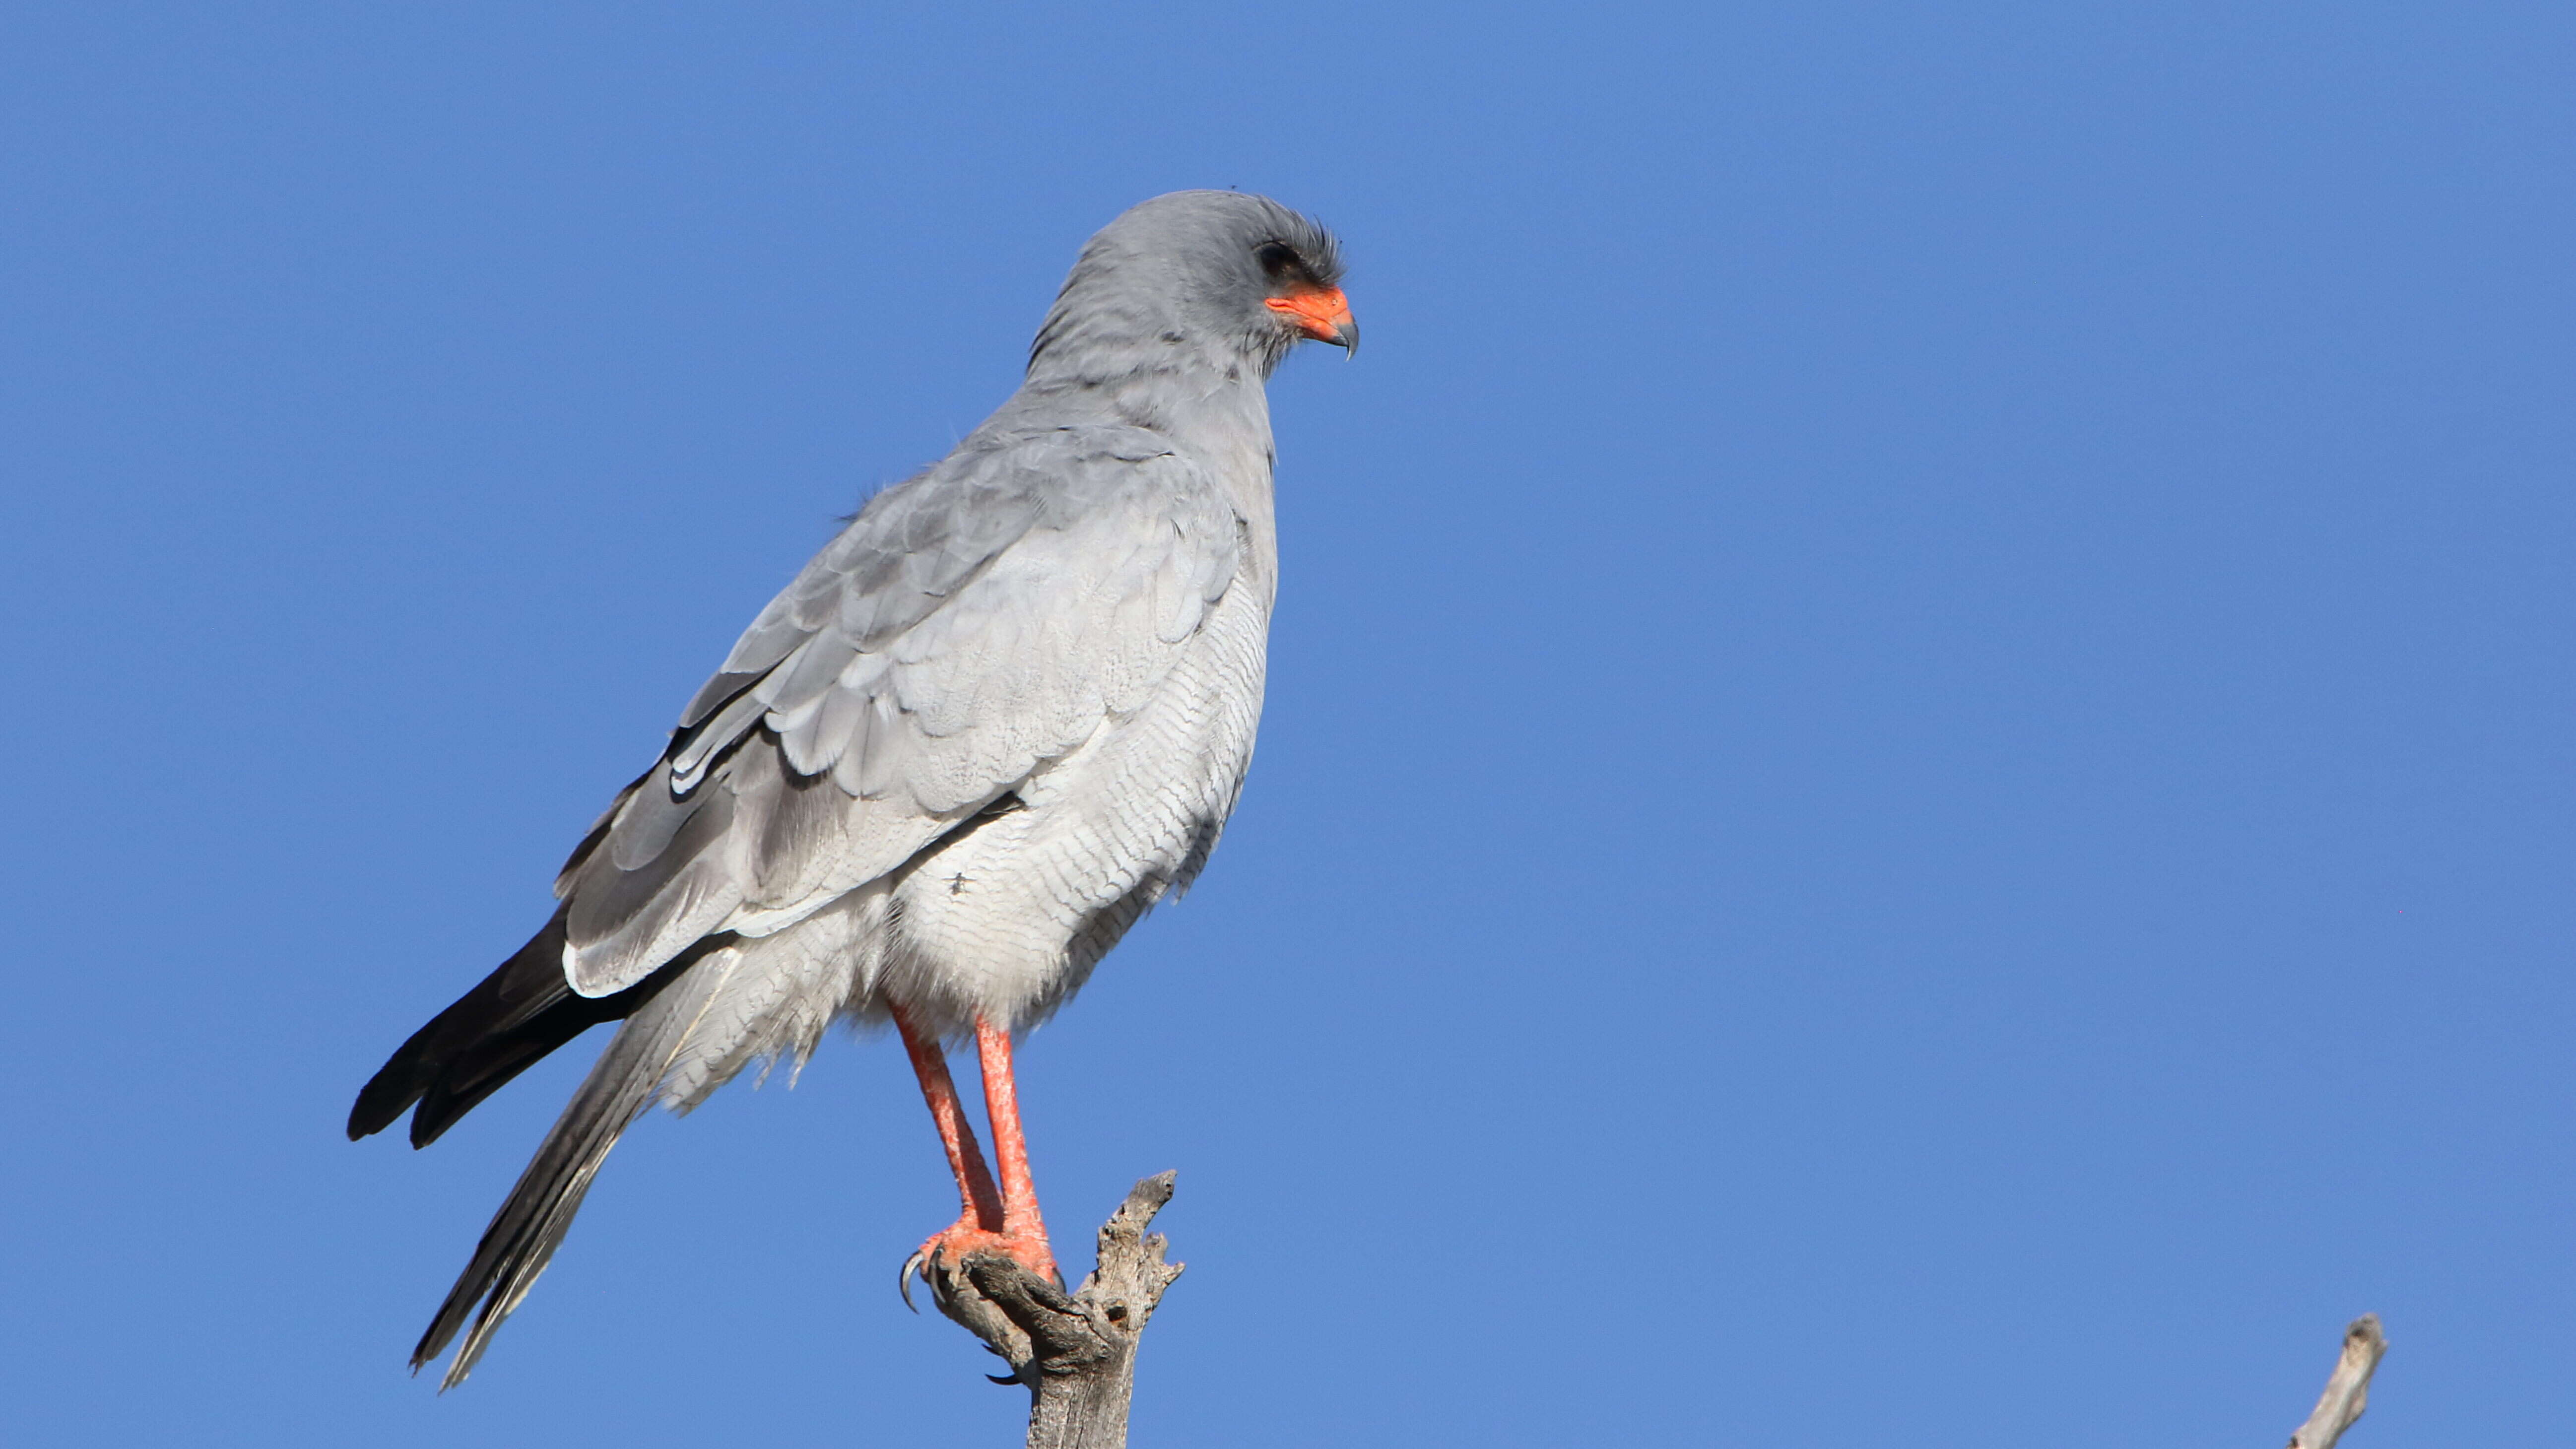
(992, 723)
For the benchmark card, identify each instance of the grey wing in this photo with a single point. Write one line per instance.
(969, 625)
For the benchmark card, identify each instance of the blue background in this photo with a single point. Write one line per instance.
(1918, 771)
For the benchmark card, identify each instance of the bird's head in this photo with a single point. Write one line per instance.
(1220, 275)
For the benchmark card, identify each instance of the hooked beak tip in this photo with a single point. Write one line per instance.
(1324, 316)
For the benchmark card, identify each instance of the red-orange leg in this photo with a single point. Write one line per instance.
(979, 1205)
(1020, 1219)
(1003, 1219)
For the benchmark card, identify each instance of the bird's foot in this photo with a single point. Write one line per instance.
(963, 1239)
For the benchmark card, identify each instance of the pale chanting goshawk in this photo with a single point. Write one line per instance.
(984, 731)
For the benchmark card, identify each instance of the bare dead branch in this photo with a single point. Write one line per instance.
(1076, 1352)
(2347, 1389)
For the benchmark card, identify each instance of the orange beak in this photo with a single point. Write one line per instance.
(1324, 316)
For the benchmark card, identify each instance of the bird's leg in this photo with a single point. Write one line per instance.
(979, 1208)
(1023, 1229)
(987, 1221)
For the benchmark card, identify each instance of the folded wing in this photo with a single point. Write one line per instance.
(968, 627)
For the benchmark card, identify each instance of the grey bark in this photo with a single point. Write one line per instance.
(2347, 1388)
(1076, 1352)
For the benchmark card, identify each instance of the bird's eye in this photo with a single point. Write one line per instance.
(1280, 261)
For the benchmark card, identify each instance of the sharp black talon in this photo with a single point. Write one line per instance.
(903, 1277)
(999, 1379)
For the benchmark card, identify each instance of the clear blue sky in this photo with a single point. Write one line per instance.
(1920, 776)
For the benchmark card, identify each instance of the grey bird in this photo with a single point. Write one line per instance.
(984, 731)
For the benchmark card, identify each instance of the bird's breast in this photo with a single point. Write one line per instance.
(1007, 919)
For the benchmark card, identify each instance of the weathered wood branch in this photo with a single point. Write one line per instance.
(1075, 1351)
(2347, 1388)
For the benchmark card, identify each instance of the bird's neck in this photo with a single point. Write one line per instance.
(1213, 406)
(1219, 416)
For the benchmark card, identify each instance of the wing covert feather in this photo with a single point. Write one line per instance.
(968, 626)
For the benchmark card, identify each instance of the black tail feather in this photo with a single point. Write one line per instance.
(502, 1027)
(531, 1223)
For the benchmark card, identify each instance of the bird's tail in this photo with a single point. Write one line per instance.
(540, 1208)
